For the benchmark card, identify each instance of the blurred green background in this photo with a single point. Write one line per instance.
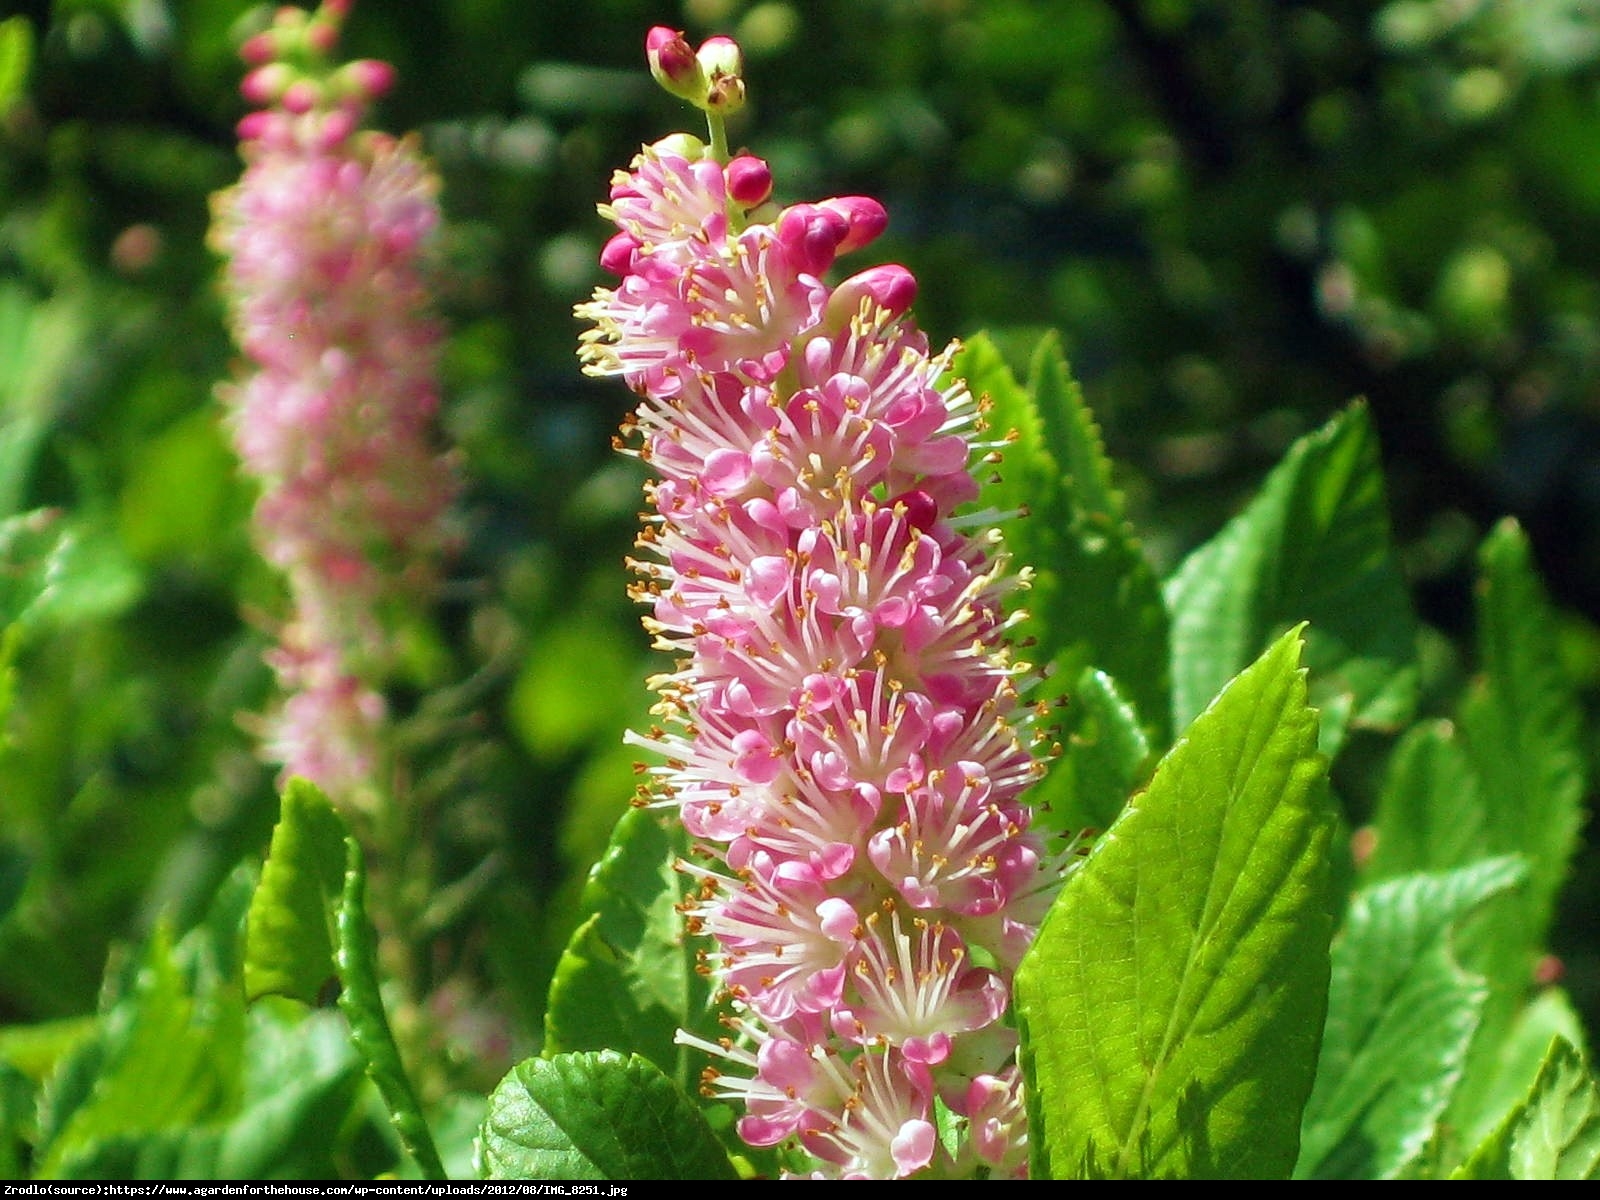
(1238, 214)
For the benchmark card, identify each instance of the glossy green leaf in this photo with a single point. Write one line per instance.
(1401, 1016)
(1094, 600)
(303, 1086)
(597, 1116)
(1312, 546)
(1172, 1004)
(627, 980)
(294, 1116)
(290, 932)
(1553, 1134)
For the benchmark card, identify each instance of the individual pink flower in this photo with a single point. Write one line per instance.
(322, 239)
(842, 732)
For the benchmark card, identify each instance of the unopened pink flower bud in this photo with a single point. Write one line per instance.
(674, 65)
(322, 36)
(749, 180)
(255, 126)
(685, 145)
(367, 78)
(259, 49)
(267, 83)
(721, 56)
(335, 127)
(865, 216)
(301, 96)
(890, 286)
(723, 63)
(617, 255)
(811, 234)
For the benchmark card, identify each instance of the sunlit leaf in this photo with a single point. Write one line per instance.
(1521, 733)
(627, 980)
(1172, 1005)
(1094, 601)
(1401, 1015)
(16, 55)
(308, 927)
(1312, 546)
(290, 933)
(1553, 1134)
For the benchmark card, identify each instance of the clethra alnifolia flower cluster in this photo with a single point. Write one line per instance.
(323, 237)
(842, 729)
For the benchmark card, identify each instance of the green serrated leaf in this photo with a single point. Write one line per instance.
(1094, 601)
(36, 1050)
(290, 1123)
(57, 570)
(1521, 732)
(308, 925)
(361, 1002)
(627, 980)
(1430, 814)
(166, 1057)
(1521, 727)
(1103, 758)
(597, 1116)
(1312, 546)
(1521, 1053)
(1401, 1015)
(1172, 1003)
(1553, 1134)
(290, 932)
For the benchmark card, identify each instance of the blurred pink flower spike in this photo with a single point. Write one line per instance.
(322, 240)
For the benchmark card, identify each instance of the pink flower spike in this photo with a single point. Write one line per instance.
(842, 731)
(322, 239)
(256, 125)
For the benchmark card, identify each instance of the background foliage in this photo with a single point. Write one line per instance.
(1238, 215)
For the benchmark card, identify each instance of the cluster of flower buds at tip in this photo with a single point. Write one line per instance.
(300, 93)
(710, 78)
